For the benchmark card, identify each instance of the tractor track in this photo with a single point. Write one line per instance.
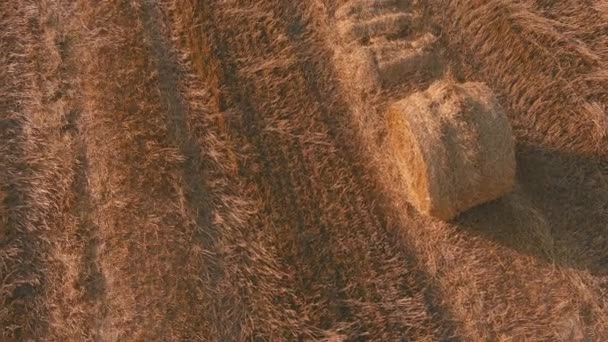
(52, 197)
(21, 249)
(273, 160)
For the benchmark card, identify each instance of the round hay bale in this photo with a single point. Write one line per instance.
(453, 146)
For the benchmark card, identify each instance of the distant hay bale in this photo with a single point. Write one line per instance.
(386, 25)
(362, 69)
(365, 9)
(454, 147)
(399, 59)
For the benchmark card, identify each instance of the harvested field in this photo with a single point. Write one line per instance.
(192, 170)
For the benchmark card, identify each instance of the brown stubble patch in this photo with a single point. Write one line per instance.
(18, 249)
(547, 79)
(157, 251)
(41, 245)
(278, 319)
(584, 21)
(255, 277)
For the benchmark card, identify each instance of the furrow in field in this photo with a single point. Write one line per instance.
(158, 251)
(75, 288)
(255, 282)
(22, 278)
(43, 239)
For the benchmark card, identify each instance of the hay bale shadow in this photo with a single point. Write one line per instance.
(558, 212)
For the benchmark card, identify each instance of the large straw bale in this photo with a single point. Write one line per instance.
(454, 147)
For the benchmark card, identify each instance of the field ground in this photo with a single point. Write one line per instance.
(220, 171)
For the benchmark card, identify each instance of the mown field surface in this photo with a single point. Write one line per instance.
(219, 170)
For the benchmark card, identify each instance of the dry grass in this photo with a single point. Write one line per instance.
(454, 146)
(253, 286)
(583, 21)
(40, 248)
(159, 181)
(206, 170)
(550, 80)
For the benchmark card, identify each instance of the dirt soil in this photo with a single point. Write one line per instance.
(219, 170)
